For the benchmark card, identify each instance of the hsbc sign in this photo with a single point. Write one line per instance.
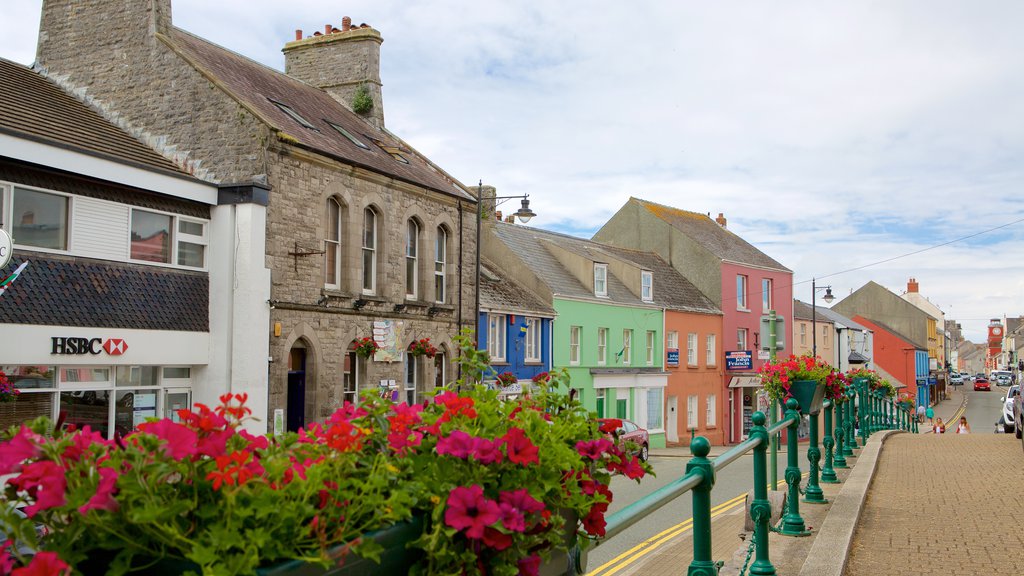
(94, 346)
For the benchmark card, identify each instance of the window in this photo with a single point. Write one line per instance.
(496, 337)
(602, 346)
(412, 244)
(691, 349)
(167, 239)
(654, 410)
(803, 334)
(293, 114)
(646, 286)
(369, 251)
(574, 345)
(691, 411)
(741, 292)
(627, 343)
(741, 338)
(440, 265)
(348, 135)
(766, 294)
(600, 279)
(712, 352)
(824, 335)
(650, 348)
(672, 340)
(533, 339)
(38, 219)
(349, 377)
(332, 245)
(709, 418)
(410, 379)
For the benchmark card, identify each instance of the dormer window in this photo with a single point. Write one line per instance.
(646, 286)
(600, 280)
(293, 114)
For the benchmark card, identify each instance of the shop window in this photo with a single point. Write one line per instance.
(166, 239)
(39, 219)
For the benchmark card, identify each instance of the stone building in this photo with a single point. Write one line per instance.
(365, 237)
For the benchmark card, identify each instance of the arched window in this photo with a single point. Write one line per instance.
(440, 265)
(369, 251)
(412, 246)
(332, 245)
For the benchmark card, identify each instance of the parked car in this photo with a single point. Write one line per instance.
(1008, 400)
(1001, 377)
(627, 433)
(968, 379)
(1018, 413)
(981, 384)
(956, 379)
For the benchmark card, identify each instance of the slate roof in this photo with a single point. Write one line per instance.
(528, 244)
(254, 85)
(36, 109)
(62, 291)
(720, 241)
(500, 291)
(802, 311)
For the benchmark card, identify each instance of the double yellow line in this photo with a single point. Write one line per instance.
(622, 561)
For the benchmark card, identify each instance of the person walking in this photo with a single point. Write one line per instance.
(920, 413)
(929, 413)
(963, 427)
(938, 427)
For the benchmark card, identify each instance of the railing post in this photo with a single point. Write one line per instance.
(828, 474)
(792, 522)
(761, 508)
(851, 441)
(863, 409)
(702, 564)
(813, 493)
(840, 434)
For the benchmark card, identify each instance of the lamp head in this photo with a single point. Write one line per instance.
(524, 213)
(828, 297)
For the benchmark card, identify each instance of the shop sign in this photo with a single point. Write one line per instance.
(672, 356)
(81, 346)
(739, 360)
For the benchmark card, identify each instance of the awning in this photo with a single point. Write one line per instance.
(858, 358)
(745, 382)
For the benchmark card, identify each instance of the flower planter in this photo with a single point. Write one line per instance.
(809, 393)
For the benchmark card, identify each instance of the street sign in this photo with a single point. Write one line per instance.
(780, 332)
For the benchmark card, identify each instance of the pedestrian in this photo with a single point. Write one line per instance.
(939, 427)
(963, 427)
(920, 413)
(929, 413)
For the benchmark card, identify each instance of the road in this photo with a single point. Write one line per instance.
(983, 409)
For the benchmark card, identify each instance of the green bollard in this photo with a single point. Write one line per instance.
(702, 564)
(828, 474)
(840, 434)
(813, 493)
(792, 522)
(760, 508)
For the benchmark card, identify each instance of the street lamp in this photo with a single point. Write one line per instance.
(828, 298)
(524, 214)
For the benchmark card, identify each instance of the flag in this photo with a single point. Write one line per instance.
(10, 279)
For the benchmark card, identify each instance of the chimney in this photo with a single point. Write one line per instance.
(486, 196)
(343, 62)
(912, 286)
(498, 215)
(721, 220)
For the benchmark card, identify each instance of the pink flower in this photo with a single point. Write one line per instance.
(469, 510)
(45, 482)
(488, 451)
(103, 499)
(215, 442)
(20, 448)
(255, 442)
(81, 442)
(515, 504)
(519, 448)
(593, 449)
(44, 564)
(458, 444)
(529, 566)
(180, 440)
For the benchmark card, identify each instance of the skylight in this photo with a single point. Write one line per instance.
(395, 151)
(348, 135)
(294, 115)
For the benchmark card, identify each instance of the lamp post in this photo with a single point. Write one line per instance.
(524, 214)
(813, 492)
(828, 298)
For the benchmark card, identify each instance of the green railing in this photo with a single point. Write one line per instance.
(701, 472)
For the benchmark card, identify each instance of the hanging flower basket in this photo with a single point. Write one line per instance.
(422, 347)
(8, 392)
(800, 377)
(366, 347)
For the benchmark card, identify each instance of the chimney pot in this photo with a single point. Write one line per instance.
(498, 216)
(298, 34)
(912, 285)
(721, 220)
(327, 28)
(346, 24)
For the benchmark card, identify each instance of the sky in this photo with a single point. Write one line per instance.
(835, 136)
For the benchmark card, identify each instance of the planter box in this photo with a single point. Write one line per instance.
(809, 393)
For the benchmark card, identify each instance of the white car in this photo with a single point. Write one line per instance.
(1009, 420)
(1018, 414)
(956, 379)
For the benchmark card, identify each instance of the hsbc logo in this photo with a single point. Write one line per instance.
(94, 346)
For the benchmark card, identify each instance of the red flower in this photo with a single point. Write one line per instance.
(515, 504)
(44, 564)
(519, 448)
(610, 425)
(593, 449)
(103, 499)
(458, 444)
(529, 566)
(494, 538)
(45, 482)
(469, 510)
(180, 440)
(20, 448)
(594, 522)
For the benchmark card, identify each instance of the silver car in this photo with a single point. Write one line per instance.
(1009, 419)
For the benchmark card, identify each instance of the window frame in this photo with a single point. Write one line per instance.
(627, 347)
(497, 346)
(177, 238)
(711, 407)
(441, 265)
(329, 242)
(691, 412)
(711, 347)
(600, 280)
(602, 346)
(646, 286)
(574, 345)
(691, 349)
(532, 349)
(412, 247)
(767, 298)
(742, 338)
(742, 284)
(650, 345)
(369, 251)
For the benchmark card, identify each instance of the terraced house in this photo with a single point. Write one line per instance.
(363, 235)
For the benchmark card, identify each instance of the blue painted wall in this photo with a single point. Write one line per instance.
(515, 346)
